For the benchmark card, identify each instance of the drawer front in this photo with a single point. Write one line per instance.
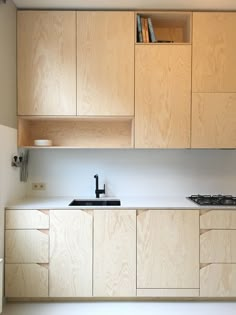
(27, 219)
(218, 280)
(30, 280)
(218, 219)
(218, 246)
(24, 246)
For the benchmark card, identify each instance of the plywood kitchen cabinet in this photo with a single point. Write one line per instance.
(70, 270)
(217, 253)
(46, 62)
(26, 254)
(105, 63)
(114, 273)
(162, 96)
(213, 120)
(168, 252)
(214, 46)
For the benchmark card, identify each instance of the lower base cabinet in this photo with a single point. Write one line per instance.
(120, 254)
(26, 280)
(168, 251)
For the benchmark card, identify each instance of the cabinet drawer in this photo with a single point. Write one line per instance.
(30, 280)
(218, 219)
(27, 219)
(26, 246)
(218, 280)
(218, 246)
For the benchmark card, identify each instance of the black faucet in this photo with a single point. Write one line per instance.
(97, 190)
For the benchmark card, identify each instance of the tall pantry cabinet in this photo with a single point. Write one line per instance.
(163, 83)
(214, 80)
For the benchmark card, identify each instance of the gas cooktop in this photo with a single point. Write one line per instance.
(214, 200)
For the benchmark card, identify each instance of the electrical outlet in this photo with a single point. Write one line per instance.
(38, 186)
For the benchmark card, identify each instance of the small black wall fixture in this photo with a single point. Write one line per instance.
(21, 160)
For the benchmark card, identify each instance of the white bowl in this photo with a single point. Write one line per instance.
(42, 142)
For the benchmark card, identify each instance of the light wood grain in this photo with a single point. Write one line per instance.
(114, 253)
(162, 96)
(214, 46)
(70, 269)
(168, 292)
(168, 249)
(26, 246)
(218, 280)
(30, 280)
(218, 246)
(26, 219)
(218, 219)
(213, 120)
(46, 56)
(82, 133)
(105, 63)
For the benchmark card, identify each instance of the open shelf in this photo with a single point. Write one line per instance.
(76, 132)
(169, 27)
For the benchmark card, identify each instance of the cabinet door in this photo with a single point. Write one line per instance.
(168, 249)
(114, 253)
(26, 280)
(218, 280)
(46, 56)
(214, 45)
(162, 96)
(105, 63)
(70, 270)
(213, 120)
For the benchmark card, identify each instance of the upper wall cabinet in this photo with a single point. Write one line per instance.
(46, 62)
(162, 96)
(105, 63)
(214, 46)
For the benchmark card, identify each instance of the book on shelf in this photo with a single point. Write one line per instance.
(139, 29)
(152, 35)
(146, 30)
(143, 30)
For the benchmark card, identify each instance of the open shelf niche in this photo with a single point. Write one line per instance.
(92, 132)
(169, 27)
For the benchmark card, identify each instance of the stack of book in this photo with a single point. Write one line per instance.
(145, 31)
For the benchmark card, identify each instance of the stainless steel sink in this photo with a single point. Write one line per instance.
(95, 202)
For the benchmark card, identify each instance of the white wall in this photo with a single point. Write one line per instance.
(10, 186)
(134, 172)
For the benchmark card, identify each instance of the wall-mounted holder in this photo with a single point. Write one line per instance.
(21, 161)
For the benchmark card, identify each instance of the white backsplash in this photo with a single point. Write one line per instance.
(133, 172)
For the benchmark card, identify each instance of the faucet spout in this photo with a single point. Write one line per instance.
(97, 190)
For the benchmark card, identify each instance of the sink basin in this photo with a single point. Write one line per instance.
(95, 202)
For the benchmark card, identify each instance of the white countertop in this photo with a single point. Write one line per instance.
(126, 203)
